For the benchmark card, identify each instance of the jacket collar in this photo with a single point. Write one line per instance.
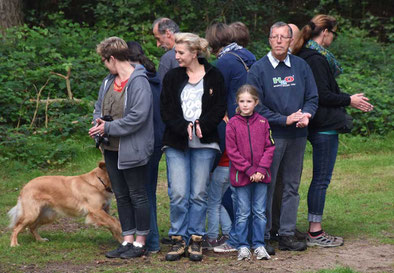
(203, 61)
(251, 118)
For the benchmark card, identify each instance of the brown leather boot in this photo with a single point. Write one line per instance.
(195, 248)
(177, 250)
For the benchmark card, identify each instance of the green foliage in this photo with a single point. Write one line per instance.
(36, 149)
(369, 69)
(54, 41)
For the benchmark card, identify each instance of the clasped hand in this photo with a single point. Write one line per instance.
(257, 177)
(302, 119)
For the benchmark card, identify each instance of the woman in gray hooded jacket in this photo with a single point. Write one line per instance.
(127, 141)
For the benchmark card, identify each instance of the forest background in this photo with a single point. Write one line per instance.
(49, 79)
(50, 73)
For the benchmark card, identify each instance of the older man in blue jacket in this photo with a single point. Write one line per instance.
(288, 97)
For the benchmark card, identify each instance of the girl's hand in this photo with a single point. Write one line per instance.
(257, 177)
(190, 131)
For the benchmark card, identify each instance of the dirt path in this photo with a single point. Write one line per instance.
(358, 255)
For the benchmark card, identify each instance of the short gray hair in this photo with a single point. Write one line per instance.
(165, 23)
(281, 24)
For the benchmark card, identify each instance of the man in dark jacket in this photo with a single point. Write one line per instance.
(289, 99)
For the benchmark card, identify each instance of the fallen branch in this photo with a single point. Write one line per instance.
(46, 110)
(37, 101)
(49, 101)
(67, 78)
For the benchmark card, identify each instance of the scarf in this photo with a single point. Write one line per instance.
(231, 47)
(335, 67)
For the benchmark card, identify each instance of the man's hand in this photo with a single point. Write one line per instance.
(295, 117)
(304, 121)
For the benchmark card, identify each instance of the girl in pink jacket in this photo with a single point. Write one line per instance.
(250, 148)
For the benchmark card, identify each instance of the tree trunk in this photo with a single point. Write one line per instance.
(10, 13)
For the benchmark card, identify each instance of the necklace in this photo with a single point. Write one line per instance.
(119, 88)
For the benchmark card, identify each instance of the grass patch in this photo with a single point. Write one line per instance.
(359, 204)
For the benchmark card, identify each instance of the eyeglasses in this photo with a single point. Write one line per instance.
(335, 33)
(104, 59)
(276, 37)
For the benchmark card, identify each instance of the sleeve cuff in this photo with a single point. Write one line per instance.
(262, 170)
(106, 128)
(283, 121)
(252, 170)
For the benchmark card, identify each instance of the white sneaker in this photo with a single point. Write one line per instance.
(224, 248)
(244, 254)
(261, 253)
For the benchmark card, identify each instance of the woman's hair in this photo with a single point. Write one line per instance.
(240, 33)
(136, 54)
(315, 26)
(246, 88)
(193, 43)
(113, 46)
(219, 35)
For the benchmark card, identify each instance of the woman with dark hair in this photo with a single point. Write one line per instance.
(234, 62)
(137, 56)
(330, 118)
(240, 33)
(125, 96)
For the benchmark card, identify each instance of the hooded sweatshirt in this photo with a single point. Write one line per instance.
(250, 147)
(135, 129)
(154, 82)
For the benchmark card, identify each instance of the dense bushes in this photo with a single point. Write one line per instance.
(29, 57)
(368, 68)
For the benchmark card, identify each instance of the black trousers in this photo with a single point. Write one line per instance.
(129, 187)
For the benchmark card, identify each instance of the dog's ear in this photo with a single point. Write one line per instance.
(102, 165)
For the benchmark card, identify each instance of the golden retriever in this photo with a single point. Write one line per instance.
(43, 198)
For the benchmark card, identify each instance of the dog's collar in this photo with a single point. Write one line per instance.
(108, 189)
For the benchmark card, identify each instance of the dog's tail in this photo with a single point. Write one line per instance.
(15, 213)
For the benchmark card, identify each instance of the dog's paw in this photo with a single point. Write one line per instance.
(43, 240)
(14, 245)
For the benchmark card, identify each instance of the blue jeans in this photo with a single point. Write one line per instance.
(188, 177)
(152, 240)
(251, 200)
(216, 212)
(325, 148)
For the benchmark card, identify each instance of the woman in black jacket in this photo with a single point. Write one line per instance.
(193, 102)
(330, 118)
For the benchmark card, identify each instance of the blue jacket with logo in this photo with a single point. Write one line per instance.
(282, 91)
